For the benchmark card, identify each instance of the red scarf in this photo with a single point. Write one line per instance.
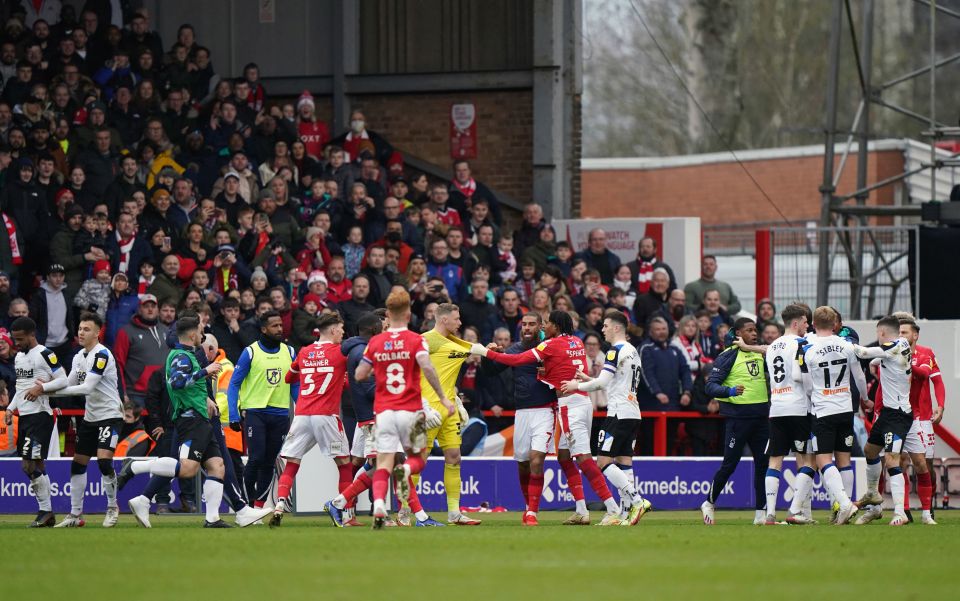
(467, 189)
(12, 235)
(143, 283)
(125, 247)
(644, 276)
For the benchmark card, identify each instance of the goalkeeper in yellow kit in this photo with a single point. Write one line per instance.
(447, 353)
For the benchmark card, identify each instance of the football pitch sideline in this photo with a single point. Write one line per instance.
(668, 555)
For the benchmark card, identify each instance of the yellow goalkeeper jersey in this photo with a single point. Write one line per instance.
(447, 354)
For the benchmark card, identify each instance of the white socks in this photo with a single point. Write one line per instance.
(834, 483)
(109, 485)
(803, 489)
(846, 474)
(212, 494)
(421, 515)
(582, 507)
(78, 485)
(772, 487)
(611, 505)
(873, 474)
(897, 489)
(624, 485)
(167, 467)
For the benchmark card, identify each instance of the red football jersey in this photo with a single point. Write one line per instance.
(322, 370)
(393, 355)
(920, 400)
(561, 357)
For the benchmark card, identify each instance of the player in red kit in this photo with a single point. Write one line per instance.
(563, 355)
(321, 370)
(395, 358)
(920, 439)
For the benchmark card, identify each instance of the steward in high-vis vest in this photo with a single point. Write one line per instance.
(8, 438)
(259, 395)
(233, 438)
(739, 381)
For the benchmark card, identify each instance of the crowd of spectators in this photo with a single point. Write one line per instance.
(138, 181)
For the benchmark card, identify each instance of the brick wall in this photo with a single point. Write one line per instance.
(722, 194)
(419, 124)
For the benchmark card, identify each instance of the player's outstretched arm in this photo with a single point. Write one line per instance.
(527, 357)
(590, 385)
(73, 388)
(57, 386)
(869, 352)
(751, 348)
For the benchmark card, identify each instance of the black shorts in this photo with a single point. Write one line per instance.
(33, 435)
(93, 436)
(788, 433)
(195, 439)
(890, 429)
(617, 437)
(833, 433)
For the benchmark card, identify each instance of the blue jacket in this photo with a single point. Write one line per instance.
(716, 389)
(120, 310)
(528, 392)
(665, 370)
(361, 393)
(451, 274)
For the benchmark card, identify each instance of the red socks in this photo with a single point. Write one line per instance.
(286, 479)
(346, 476)
(258, 503)
(925, 490)
(906, 490)
(414, 500)
(534, 491)
(416, 464)
(381, 480)
(350, 493)
(597, 482)
(574, 481)
(525, 486)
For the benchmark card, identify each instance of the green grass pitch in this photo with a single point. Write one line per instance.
(669, 555)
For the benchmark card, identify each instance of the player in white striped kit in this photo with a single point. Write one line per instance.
(93, 375)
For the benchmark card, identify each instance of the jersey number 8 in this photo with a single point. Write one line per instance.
(395, 381)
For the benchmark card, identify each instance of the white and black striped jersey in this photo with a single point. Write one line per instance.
(94, 375)
(895, 371)
(787, 396)
(832, 364)
(39, 363)
(623, 361)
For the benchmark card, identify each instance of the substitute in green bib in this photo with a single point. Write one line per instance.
(260, 399)
(739, 381)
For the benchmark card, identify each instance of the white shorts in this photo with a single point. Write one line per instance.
(395, 430)
(576, 419)
(363, 441)
(926, 426)
(915, 442)
(323, 431)
(533, 431)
